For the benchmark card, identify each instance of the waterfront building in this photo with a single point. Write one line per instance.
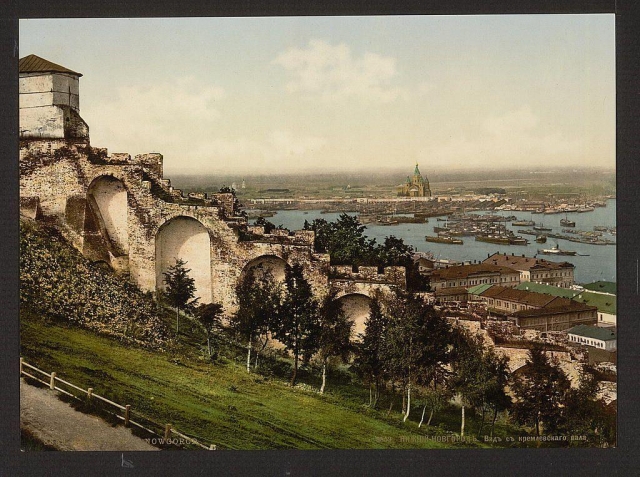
(416, 186)
(604, 302)
(537, 270)
(536, 311)
(474, 274)
(593, 336)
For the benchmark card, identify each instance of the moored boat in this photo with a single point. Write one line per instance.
(541, 239)
(523, 223)
(555, 250)
(443, 239)
(567, 223)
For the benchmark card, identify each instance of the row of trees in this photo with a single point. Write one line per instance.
(408, 347)
(289, 313)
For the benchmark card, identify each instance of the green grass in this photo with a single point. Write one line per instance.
(220, 403)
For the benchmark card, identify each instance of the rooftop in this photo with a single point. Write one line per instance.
(35, 64)
(604, 334)
(602, 287)
(604, 303)
(520, 262)
(464, 271)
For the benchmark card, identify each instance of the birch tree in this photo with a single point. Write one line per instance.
(334, 337)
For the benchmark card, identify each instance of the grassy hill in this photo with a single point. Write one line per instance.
(76, 319)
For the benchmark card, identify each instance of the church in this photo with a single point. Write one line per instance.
(416, 186)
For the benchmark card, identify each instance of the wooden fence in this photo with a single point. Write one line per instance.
(123, 413)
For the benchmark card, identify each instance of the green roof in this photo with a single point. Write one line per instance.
(417, 171)
(604, 303)
(547, 289)
(478, 289)
(604, 334)
(603, 287)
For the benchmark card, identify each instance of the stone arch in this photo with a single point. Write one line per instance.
(356, 308)
(272, 263)
(106, 227)
(185, 238)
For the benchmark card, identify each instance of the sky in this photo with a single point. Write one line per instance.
(331, 94)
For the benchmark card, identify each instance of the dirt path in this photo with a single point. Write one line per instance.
(57, 424)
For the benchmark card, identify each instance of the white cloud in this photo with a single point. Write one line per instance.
(334, 73)
(155, 118)
(510, 139)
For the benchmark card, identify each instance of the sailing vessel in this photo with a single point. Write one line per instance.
(541, 238)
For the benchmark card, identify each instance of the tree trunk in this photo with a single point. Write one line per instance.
(249, 357)
(177, 320)
(404, 402)
(324, 376)
(422, 418)
(430, 417)
(209, 343)
(493, 423)
(481, 422)
(406, 416)
(390, 407)
(370, 395)
(462, 425)
(295, 369)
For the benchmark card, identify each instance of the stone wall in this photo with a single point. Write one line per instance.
(122, 211)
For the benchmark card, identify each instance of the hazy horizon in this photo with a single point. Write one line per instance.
(312, 94)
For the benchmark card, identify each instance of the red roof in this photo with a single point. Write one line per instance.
(525, 263)
(465, 271)
(35, 64)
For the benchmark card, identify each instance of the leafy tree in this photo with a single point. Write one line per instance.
(587, 415)
(369, 361)
(334, 337)
(343, 240)
(417, 343)
(259, 296)
(180, 289)
(470, 373)
(209, 315)
(540, 390)
(394, 252)
(299, 325)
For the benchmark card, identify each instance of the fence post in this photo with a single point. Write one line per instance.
(89, 392)
(52, 383)
(21, 362)
(167, 431)
(127, 414)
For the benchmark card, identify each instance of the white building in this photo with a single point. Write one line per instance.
(49, 101)
(601, 338)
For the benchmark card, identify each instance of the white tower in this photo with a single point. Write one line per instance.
(49, 101)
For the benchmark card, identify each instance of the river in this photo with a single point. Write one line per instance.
(600, 264)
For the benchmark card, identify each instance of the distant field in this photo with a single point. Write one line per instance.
(383, 184)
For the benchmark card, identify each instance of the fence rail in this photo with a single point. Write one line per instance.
(168, 429)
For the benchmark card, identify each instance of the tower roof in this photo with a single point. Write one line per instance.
(35, 64)
(417, 171)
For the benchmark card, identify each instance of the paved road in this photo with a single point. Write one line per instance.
(57, 424)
